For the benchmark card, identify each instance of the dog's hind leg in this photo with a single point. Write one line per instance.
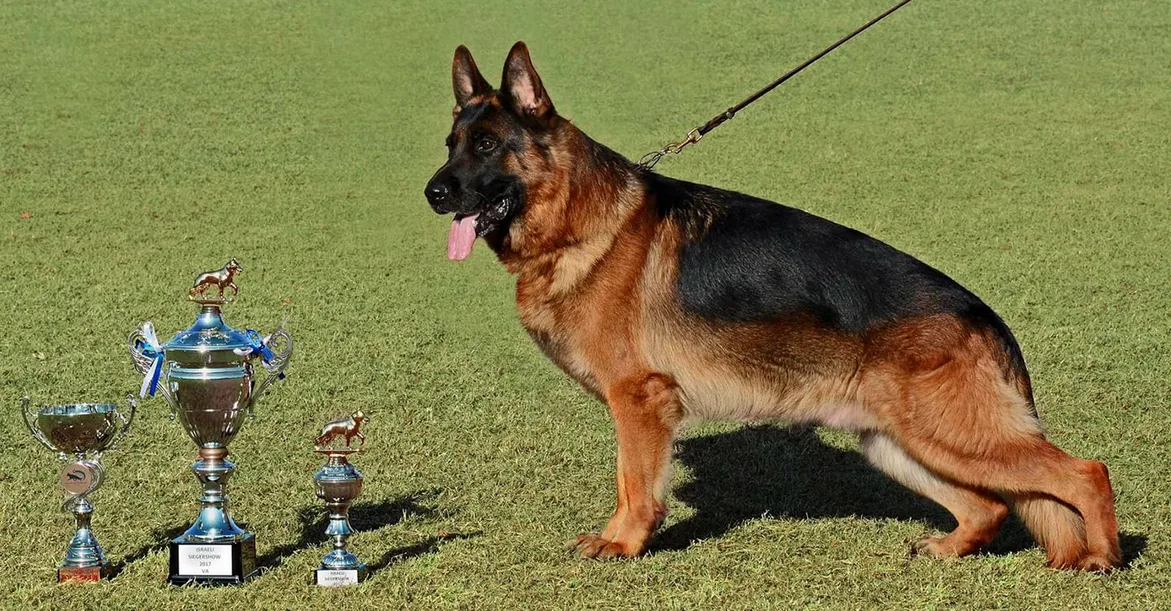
(646, 413)
(1037, 472)
(966, 420)
(979, 514)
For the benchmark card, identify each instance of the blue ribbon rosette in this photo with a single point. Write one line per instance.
(259, 345)
(149, 347)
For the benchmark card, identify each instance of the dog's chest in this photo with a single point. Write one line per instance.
(550, 324)
(581, 307)
(566, 330)
(566, 358)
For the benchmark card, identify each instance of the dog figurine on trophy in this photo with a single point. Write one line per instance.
(222, 279)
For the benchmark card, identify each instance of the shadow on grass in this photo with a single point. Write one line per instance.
(160, 538)
(790, 473)
(1133, 547)
(364, 516)
(430, 545)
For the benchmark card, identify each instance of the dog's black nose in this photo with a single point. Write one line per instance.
(437, 193)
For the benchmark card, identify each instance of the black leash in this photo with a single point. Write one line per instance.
(649, 160)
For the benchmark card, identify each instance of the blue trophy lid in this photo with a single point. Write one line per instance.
(209, 334)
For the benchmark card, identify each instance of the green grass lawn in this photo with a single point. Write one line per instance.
(1021, 147)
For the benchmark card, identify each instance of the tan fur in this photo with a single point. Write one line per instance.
(1057, 527)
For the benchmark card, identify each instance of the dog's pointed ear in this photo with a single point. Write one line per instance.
(466, 80)
(522, 85)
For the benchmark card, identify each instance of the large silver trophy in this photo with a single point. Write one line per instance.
(79, 433)
(209, 376)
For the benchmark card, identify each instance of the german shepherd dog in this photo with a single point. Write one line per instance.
(674, 301)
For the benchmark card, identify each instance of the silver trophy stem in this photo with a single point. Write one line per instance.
(214, 522)
(83, 550)
(339, 530)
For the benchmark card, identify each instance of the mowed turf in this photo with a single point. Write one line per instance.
(1021, 147)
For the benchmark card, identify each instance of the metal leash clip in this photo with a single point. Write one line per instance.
(649, 160)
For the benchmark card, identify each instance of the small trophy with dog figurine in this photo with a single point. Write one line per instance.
(338, 483)
(79, 433)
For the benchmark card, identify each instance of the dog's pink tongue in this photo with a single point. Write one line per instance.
(461, 238)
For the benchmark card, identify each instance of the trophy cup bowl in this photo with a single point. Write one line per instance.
(208, 374)
(78, 428)
(211, 404)
(82, 431)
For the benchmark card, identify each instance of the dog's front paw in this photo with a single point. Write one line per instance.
(594, 546)
(934, 547)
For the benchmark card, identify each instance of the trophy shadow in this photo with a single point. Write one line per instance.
(364, 516)
(430, 545)
(160, 539)
(790, 473)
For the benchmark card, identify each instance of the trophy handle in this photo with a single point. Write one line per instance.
(281, 345)
(138, 342)
(125, 420)
(26, 412)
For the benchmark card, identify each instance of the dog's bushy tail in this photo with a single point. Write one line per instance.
(1055, 525)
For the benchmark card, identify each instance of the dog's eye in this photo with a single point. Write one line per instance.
(486, 145)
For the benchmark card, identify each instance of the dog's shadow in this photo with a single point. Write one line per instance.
(790, 473)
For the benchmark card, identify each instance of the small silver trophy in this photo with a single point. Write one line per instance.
(79, 433)
(207, 373)
(338, 484)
